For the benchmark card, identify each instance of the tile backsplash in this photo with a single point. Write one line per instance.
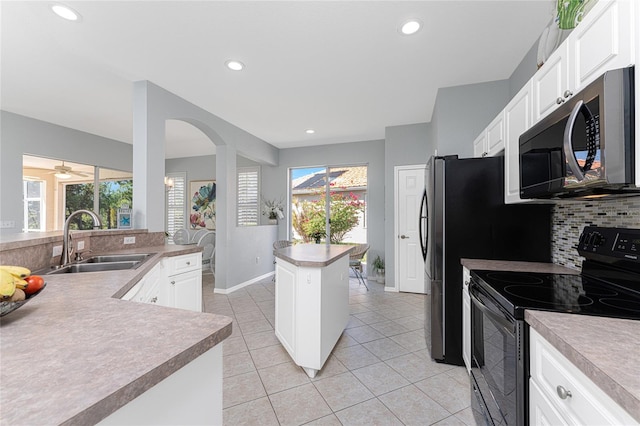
(570, 217)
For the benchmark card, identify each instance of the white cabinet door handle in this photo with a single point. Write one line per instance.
(562, 392)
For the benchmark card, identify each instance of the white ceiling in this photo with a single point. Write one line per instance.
(339, 67)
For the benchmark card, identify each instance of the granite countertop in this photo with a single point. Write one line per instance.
(513, 266)
(313, 255)
(605, 349)
(76, 352)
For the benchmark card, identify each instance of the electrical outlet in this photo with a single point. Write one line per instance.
(129, 240)
(57, 251)
(257, 259)
(7, 224)
(80, 245)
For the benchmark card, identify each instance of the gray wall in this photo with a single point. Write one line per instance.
(404, 145)
(23, 135)
(275, 180)
(524, 71)
(462, 112)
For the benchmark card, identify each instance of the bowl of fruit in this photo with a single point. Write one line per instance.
(17, 287)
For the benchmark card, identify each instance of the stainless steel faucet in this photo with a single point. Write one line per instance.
(66, 250)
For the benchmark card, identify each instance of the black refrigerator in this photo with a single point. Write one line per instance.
(464, 216)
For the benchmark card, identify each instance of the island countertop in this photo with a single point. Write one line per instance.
(313, 255)
(76, 352)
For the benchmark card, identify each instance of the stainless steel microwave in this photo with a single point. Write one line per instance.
(586, 147)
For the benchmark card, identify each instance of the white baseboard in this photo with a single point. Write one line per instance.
(244, 284)
(391, 289)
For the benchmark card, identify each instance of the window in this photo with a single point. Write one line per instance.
(342, 190)
(112, 194)
(34, 211)
(248, 190)
(176, 204)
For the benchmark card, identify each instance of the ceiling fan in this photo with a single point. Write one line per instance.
(66, 172)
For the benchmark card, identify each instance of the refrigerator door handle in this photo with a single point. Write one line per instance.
(423, 228)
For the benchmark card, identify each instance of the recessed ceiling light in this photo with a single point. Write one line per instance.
(65, 12)
(309, 131)
(412, 26)
(234, 65)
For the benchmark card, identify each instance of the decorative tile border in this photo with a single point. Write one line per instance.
(569, 219)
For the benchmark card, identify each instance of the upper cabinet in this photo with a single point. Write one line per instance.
(517, 120)
(603, 41)
(551, 84)
(491, 141)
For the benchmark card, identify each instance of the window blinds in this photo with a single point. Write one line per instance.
(248, 190)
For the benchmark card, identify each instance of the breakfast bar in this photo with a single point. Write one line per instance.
(312, 301)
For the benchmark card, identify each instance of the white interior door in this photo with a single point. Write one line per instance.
(409, 262)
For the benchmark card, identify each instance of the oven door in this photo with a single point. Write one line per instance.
(496, 375)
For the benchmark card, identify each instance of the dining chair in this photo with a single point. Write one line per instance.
(181, 236)
(207, 241)
(355, 262)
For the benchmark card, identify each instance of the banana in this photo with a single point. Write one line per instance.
(18, 271)
(7, 284)
(20, 283)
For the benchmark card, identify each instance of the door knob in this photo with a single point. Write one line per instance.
(403, 237)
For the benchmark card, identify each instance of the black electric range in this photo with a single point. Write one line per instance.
(608, 286)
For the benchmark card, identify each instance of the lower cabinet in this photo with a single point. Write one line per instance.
(175, 282)
(185, 281)
(185, 291)
(559, 393)
(312, 310)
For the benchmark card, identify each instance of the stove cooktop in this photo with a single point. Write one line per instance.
(517, 291)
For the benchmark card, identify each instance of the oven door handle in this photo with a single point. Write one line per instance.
(508, 326)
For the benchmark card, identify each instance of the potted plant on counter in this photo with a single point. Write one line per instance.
(378, 266)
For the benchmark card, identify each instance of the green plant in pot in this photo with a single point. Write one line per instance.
(378, 266)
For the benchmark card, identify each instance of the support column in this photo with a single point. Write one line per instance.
(148, 160)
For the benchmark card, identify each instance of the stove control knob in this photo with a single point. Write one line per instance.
(598, 240)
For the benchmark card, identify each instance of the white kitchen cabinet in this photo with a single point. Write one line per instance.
(491, 141)
(517, 120)
(152, 288)
(561, 394)
(550, 84)
(603, 41)
(466, 319)
(480, 145)
(184, 281)
(312, 310)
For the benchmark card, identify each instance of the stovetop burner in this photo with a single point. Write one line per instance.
(627, 305)
(549, 295)
(514, 278)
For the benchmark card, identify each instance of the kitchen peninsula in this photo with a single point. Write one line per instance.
(312, 301)
(78, 354)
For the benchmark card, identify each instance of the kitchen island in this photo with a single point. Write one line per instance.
(312, 301)
(77, 354)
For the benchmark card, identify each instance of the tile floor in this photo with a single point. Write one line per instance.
(379, 373)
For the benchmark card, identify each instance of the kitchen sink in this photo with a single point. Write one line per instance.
(109, 258)
(102, 262)
(96, 267)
